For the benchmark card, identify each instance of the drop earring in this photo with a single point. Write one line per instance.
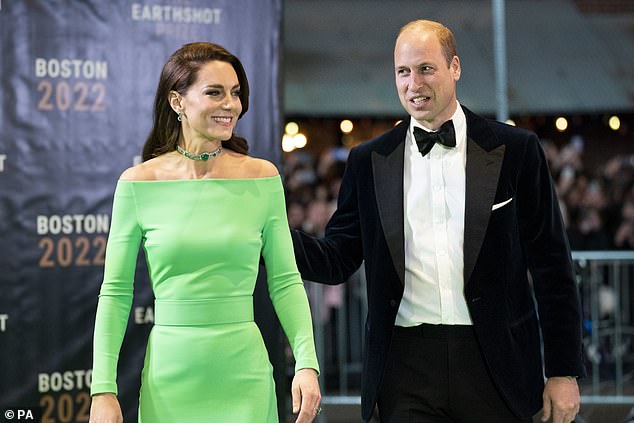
(180, 116)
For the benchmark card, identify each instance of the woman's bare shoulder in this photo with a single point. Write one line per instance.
(261, 168)
(145, 171)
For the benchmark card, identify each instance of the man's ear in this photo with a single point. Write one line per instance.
(455, 68)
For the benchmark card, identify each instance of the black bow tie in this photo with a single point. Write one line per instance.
(446, 136)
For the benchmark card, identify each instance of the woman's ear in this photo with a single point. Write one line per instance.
(175, 101)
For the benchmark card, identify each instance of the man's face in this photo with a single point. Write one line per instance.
(426, 85)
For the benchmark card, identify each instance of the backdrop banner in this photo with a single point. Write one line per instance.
(77, 84)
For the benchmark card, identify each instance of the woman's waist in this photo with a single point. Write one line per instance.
(203, 312)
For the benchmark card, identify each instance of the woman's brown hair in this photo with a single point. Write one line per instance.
(178, 74)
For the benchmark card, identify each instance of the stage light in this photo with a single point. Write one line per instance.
(288, 143)
(346, 126)
(561, 124)
(510, 122)
(615, 123)
(300, 140)
(291, 128)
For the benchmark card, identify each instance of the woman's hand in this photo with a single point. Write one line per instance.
(306, 395)
(105, 409)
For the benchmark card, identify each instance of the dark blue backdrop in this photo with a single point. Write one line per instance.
(77, 80)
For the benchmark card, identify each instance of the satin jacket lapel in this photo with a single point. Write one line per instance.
(484, 162)
(388, 186)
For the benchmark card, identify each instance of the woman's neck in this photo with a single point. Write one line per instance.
(198, 146)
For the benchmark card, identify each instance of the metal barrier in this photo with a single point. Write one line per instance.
(339, 335)
(606, 282)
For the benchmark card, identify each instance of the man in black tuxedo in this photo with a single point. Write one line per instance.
(450, 211)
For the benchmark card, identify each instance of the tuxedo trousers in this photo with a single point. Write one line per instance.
(436, 374)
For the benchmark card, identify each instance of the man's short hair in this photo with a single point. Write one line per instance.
(444, 35)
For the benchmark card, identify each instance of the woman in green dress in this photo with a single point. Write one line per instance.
(205, 213)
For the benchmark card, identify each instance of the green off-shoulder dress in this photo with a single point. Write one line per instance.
(205, 358)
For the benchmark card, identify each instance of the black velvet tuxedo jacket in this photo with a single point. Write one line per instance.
(503, 163)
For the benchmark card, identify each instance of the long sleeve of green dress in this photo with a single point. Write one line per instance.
(115, 297)
(285, 284)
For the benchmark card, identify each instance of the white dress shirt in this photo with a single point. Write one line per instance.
(434, 204)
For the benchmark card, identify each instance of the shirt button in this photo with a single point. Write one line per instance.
(392, 303)
(436, 187)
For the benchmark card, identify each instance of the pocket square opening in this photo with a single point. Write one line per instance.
(502, 204)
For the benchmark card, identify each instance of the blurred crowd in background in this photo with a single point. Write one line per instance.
(597, 201)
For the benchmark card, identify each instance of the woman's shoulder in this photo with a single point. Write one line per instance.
(145, 171)
(259, 168)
